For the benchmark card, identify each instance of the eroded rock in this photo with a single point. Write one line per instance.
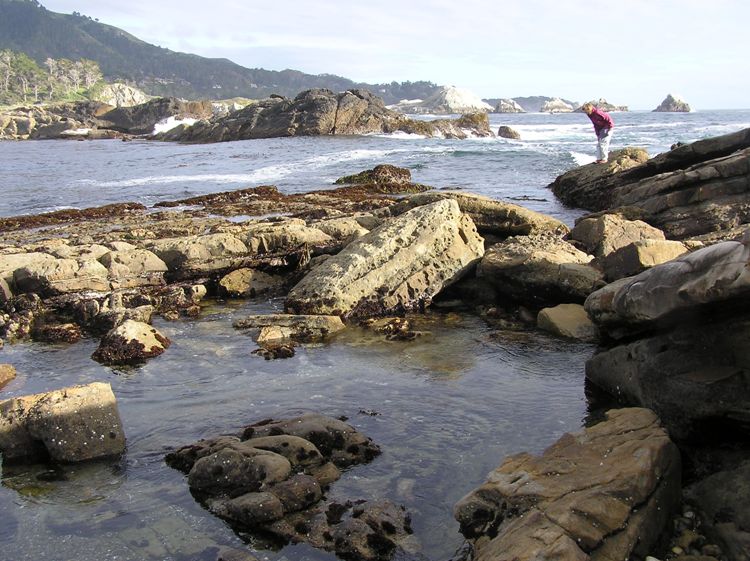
(129, 343)
(606, 492)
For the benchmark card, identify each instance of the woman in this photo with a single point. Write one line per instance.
(603, 125)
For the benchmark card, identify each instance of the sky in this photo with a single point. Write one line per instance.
(631, 53)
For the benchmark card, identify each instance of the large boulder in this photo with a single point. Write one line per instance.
(539, 270)
(601, 235)
(134, 267)
(638, 256)
(713, 275)
(249, 283)
(607, 492)
(61, 276)
(129, 343)
(68, 425)
(568, 320)
(399, 266)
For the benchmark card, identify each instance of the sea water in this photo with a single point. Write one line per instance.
(445, 409)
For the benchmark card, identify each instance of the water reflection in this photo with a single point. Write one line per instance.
(445, 408)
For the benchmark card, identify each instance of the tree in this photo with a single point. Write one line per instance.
(6, 67)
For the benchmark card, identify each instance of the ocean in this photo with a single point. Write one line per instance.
(445, 408)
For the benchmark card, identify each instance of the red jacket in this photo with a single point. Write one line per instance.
(601, 120)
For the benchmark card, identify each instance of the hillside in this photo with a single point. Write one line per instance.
(27, 26)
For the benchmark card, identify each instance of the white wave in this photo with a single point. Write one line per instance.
(171, 122)
(400, 135)
(260, 175)
(76, 132)
(582, 159)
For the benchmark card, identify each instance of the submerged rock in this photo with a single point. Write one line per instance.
(270, 479)
(130, 342)
(68, 425)
(604, 493)
(508, 132)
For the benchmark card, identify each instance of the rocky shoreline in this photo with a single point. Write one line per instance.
(657, 275)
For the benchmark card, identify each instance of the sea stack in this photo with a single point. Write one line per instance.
(673, 104)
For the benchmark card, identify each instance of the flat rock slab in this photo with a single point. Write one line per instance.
(68, 425)
(604, 493)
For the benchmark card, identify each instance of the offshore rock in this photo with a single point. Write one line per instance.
(673, 104)
(539, 270)
(318, 112)
(399, 266)
(68, 425)
(508, 106)
(271, 477)
(604, 493)
(508, 132)
(129, 343)
(556, 105)
(383, 173)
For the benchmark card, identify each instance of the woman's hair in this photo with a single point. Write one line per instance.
(586, 107)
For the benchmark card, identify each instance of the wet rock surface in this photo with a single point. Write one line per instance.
(604, 493)
(270, 479)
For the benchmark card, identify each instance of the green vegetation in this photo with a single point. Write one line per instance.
(23, 80)
(27, 26)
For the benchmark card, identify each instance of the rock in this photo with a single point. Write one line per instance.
(604, 105)
(451, 100)
(79, 252)
(284, 236)
(142, 119)
(134, 267)
(270, 480)
(121, 95)
(196, 256)
(602, 235)
(299, 328)
(383, 173)
(722, 500)
(61, 276)
(129, 343)
(12, 262)
(673, 104)
(714, 274)
(692, 376)
(540, 269)
(249, 283)
(346, 229)
(57, 333)
(592, 186)
(604, 493)
(639, 256)
(508, 132)
(7, 373)
(568, 320)
(556, 105)
(508, 106)
(696, 190)
(399, 266)
(68, 425)
(491, 217)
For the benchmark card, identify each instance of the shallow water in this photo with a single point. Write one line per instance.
(445, 410)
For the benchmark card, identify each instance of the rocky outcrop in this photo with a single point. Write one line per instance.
(604, 234)
(604, 105)
(68, 425)
(130, 343)
(697, 190)
(680, 327)
(121, 95)
(556, 105)
(446, 101)
(539, 270)
(604, 493)
(592, 186)
(673, 104)
(141, 119)
(316, 113)
(270, 479)
(383, 173)
(508, 106)
(399, 266)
